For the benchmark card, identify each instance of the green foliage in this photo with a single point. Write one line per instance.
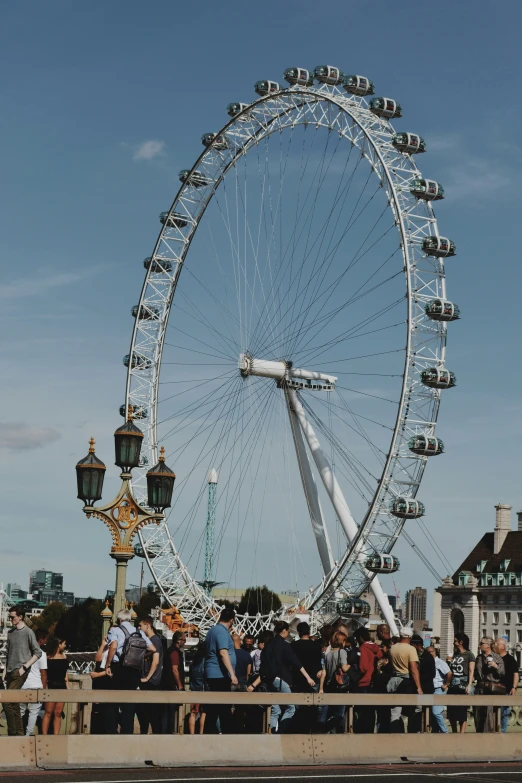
(148, 601)
(50, 616)
(258, 600)
(81, 626)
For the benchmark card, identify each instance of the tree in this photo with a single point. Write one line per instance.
(258, 600)
(148, 602)
(50, 616)
(81, 626)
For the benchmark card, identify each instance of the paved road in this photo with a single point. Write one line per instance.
(411, 773)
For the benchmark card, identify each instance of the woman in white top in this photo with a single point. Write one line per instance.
(36, 679)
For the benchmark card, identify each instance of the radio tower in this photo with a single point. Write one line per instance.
(208, 581)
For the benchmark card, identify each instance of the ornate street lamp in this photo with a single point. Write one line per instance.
(123, 515)
(90, 472)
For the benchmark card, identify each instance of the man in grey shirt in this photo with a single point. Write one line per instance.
(22, 652)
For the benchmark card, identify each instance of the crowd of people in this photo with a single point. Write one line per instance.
(332, 661)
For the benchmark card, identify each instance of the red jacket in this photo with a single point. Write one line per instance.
(369, 653)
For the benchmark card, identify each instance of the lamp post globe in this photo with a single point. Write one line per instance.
(90, 472)
(127, 445)
(160, 484)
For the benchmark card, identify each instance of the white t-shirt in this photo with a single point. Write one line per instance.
(34, 678)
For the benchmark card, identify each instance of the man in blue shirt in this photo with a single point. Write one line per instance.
(220, 660)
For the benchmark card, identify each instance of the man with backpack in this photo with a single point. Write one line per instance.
(124, 667)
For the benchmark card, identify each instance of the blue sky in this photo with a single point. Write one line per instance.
(104, 103)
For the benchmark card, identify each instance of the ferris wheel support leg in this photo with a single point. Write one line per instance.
(311, 494)
(339, 503)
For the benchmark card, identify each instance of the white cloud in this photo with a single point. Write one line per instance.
(22, 437)
(32, 286)
(476, 178)
(149, 150)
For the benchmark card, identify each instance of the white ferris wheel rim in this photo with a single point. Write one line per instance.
(372, 135)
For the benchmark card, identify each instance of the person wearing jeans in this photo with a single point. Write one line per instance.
(509, 680)
(441, 683)
(37, 679)
(22, 651)
(277, 661)
(405, 677)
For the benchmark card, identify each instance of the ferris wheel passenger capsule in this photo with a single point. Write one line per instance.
(233, 109)
(158, 265)
(438, 378)
(266, 87)
(138, 362)
(328, 74)
(426, 189)
(145, 313)
(407, 508)
(195, 178)
(442, 310)
(139, 412)
(382, 564)
(409, 142)
(358, 85)
(438, 246)
(218, 142)
(425, 446)
(385, 107)
(299, 76)
(174, 220)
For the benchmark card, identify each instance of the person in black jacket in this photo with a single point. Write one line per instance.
(277, 660)
(427, 674)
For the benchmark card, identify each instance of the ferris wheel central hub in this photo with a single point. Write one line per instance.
(285, 374)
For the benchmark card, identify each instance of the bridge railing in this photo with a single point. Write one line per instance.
(105, 750)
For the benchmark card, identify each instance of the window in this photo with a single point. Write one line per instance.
(507, 618)
(508, 634)
(519, 636)
(508, 596)
(495, 633)
(463, 579)
(495, 618)
(484, 632)
(504, 565)
(519, 617)
(484, 617)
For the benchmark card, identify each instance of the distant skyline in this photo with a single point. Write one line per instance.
(103, 105)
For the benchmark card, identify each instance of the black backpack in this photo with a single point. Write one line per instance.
(134, 650)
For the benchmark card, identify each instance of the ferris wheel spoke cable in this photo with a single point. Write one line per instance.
(306, 306)
(241, 465)
(337, 204)
(300, 293)
(216, 460)
(309, 222)
(198, 383)
(326, 318)
(228, 347)
(356, 295)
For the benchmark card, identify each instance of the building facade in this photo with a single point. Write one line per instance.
(415, 607)
(484, 595)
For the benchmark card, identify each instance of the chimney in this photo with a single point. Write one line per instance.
(502, 525)
(519, 517)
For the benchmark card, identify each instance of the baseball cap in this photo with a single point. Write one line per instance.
(404, 632)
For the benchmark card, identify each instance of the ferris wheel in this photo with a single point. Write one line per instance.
(291, 337)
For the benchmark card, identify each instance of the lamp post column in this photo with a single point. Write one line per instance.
(122, 558)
